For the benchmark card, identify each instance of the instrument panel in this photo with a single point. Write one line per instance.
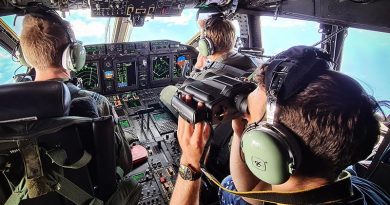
(122, 67)
(145, 124)
(131, 75)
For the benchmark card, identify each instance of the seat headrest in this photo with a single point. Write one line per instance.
(41, 99)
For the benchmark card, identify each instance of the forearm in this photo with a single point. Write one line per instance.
(243, 178)
(185, 192)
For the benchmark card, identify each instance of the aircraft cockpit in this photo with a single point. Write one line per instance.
(135, 49)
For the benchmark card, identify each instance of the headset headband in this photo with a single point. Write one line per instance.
(214, 17)
(53, 16)
(304, 62)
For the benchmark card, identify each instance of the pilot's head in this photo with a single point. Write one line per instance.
(332, 117)
(43, 42)
(220, 32)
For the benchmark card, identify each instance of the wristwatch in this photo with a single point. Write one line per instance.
(188, 173)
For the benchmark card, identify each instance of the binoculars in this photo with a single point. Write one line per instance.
(224, 98)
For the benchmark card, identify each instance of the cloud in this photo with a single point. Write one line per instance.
(4, 54)
(183, 20)
(86, 28)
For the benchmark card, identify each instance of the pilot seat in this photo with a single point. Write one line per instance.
(49, 157)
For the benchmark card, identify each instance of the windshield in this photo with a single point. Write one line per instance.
(279, 35)
(177, 28)
(365, 56)
(93, 30)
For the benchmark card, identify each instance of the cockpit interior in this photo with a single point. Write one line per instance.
(132, 73)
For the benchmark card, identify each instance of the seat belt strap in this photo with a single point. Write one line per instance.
(335, 192)
(18, 194)
(72, 192)
(59, 157)
(378, 155)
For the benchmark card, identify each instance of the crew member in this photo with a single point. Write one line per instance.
(331, 118)
(43, 40)
(216, 44)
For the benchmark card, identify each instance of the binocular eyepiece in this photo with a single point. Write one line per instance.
(224, 98)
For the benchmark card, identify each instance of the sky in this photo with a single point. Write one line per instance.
(366, 55)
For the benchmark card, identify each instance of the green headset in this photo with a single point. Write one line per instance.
(272, 151)
(73, 56)
(205, 44)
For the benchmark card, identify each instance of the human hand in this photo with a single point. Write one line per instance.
(201, 62)
(238, 126)
(256, 110)
(192, 140)
(202, 24)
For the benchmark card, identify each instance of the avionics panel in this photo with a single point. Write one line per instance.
(122, 67)
(89, 76)
(126, 75)
(108, 78)
(160, 71)
(180, 62)
(95, 49)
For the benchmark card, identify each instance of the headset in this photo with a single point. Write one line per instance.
(205, 44)
(272, 151)
(73, 56)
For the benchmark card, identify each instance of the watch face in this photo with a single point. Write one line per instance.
(185, 172)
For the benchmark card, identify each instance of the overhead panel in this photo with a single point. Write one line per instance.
(137, 11)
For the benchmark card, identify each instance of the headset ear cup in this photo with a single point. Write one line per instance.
(73, 57)
(203, 48)
(78, 56)
(293, 144)
(266, 155)
(210, 46)
(67, 59)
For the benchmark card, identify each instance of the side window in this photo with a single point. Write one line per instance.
(8, 66)
(366, 58)
(281, 34)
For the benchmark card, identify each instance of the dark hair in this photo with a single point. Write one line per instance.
(334, 119)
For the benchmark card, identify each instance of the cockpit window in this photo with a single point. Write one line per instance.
(87, 29)
(282, 33)
(366, 57)
(8, 64)
(177, 28)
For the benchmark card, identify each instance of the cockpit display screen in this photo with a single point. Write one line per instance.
(108, 74)
(95, 49)
(126, 75)
(124, 123)
(89, 75)
(180, 62)
(160, 68)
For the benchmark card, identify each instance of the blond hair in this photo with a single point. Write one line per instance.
(222, 33)
(42, 42)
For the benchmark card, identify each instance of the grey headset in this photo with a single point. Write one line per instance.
(205, 44)
(270, 150)
(73, 56)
